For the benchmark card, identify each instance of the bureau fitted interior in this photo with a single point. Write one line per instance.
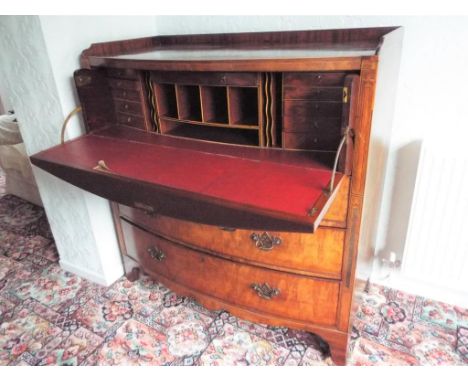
(235, 165)
(281, 133)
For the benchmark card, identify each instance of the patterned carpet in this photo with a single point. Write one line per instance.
(52, 317)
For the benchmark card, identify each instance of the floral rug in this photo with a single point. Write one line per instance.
(52, 317)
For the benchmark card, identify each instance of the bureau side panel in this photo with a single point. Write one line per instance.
(378, 90)
(362, 123)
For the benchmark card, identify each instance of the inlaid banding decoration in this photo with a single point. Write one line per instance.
(151, 102)
(268, 118)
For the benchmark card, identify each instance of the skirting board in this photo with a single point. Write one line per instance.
(431, 291)
(89, 275)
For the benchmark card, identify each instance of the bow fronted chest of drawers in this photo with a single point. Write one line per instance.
(237, 167)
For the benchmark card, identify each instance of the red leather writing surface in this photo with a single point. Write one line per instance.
(260, 184)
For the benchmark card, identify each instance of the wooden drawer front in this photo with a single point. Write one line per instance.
(307, 111)
(313, 254)
(314, 93)
(291, 296)
(310, 141)
(318, 126)
(213, 79)
(131, 120)
(293, 83)
(122, 73)
(128, 107)
(131, 95)
(124, 84)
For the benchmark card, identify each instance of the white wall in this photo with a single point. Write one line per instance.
(38, 58)
(66, 37)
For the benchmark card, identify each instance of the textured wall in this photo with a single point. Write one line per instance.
(29, 85)
(39, 55)
(65, 37)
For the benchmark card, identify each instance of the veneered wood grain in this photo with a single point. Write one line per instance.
(327, 140)
(309, 254)
(300, 298)
(337, 214)
(344, 39)
(95, 98)
(363, 121)
(206, 79)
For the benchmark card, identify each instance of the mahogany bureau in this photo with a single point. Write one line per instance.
(236, 167)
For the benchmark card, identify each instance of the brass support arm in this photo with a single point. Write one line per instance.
(76, 110)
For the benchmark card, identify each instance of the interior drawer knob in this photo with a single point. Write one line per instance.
(265, 291)
(156, 253)
(265, 241)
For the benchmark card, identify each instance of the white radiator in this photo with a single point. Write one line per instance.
(436, 248)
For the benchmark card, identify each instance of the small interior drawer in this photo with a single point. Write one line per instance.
(328, 140)
(131, 120)
(314, 93)
(122, 73)
(293, 81)
(207, 79)
(259, 289)
(124, 84)
(307, 111)
(126, 94)
(318, 126)
(128, 107)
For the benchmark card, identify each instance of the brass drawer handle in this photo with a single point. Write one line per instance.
(156, 253)
(265, 241)
(265, 291)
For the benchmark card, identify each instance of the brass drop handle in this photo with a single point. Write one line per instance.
(156, 253)
(265, 241)
(265, 291)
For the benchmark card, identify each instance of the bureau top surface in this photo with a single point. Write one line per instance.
(240, 54)
(236, 59)
(333, 44)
